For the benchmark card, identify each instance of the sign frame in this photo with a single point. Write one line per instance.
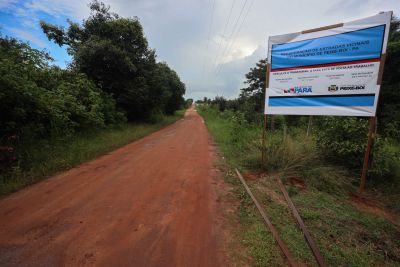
(318, 99)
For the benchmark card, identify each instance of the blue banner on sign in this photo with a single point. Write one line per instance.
(339, 101)
(360, 45)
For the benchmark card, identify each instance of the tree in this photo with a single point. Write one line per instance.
(113, 52)
(251, 98)
(256, 78)
(166, 89)
(188, 102)
(220, 102)
(40, 101)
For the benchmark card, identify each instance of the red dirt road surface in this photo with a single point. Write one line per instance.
(150, 203)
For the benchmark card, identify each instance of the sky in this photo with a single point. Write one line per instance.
(211, 44)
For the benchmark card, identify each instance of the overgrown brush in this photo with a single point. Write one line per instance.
(288, 154)
(45, 157)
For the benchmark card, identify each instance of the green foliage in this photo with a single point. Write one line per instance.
(166, 89)
(220, 102)
(205, 100)
(343, 139)
(40, 102)
(114, 53)
(345, 235)
(44, 157)
(252, 97)
(114, 76)
(256, 79)
(389, 108)
(385, 164)
(289, 155)
(237, 136)
(188, 102)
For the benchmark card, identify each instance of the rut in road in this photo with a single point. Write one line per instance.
(150, 203)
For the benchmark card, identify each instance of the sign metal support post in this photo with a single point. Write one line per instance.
(263, 149)
(264, 132)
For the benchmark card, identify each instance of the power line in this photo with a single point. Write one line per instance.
(232, 45)
(224, 31)
(208, 38)
(233, 30)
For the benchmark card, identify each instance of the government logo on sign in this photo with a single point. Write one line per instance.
(332, 88)
(298, 90)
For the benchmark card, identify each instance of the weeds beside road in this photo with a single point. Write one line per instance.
(44, 158)
(349, 230)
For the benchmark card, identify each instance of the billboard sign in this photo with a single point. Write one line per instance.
(334, 70)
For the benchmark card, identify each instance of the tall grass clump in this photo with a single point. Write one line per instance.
(288, 154)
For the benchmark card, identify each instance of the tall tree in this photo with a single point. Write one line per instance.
(253, 95)
(113, 52)
(255, 78)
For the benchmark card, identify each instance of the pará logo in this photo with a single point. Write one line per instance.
(298, 90)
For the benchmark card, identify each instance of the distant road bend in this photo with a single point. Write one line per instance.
(149, 203)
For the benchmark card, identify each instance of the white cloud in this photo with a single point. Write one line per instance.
(27, 36)
(5, 4)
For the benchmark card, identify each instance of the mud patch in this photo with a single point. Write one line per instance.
(371, 206)
(297, 182)
(253, 176)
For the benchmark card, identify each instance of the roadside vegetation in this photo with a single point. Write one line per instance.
(319, 160)
(350, 231)
(47, 157)
(113, 91)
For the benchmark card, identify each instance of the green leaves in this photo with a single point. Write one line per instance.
(114, 53)
(42, 101)
(343, 139)
(55, 33)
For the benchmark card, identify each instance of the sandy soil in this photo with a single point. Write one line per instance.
(150, 203)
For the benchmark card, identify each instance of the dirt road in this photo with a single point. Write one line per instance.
(150, 203)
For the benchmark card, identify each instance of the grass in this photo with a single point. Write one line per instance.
(46, 158)
(233, 136)
(345, 235)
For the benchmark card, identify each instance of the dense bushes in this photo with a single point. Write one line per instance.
(38, 101)
(342, 140)
(329, 159)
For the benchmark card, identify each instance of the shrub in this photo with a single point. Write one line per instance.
(385, 161)
(342, 139)
(42, 102)
(289, 155)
